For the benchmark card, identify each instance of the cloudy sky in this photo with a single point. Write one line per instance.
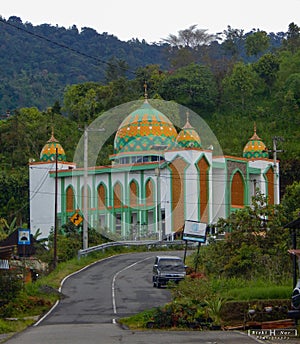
(156, 19)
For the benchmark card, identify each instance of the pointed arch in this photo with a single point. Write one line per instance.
(237, 190)
(101, 196)
(133, 193)
(177, 168)
(118, 195)
(203, 168)
(269, 176)
(150, 192)
(70, 202)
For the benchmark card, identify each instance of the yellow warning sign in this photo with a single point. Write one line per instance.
(76, 219)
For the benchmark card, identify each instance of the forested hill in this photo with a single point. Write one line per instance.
(37, 62)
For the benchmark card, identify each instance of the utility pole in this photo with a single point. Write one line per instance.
(159, 148)
(275, 151)
(85, 186)
(158, 201)
(55, 212)
(85, 191)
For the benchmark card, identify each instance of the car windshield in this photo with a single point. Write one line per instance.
(171, 264)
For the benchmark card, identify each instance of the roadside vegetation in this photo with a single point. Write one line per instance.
(248, 269)
(24, 304)
(246, 276)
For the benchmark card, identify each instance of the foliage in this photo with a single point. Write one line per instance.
(255, 244)
(214, 308)
(5, 228)
(176, 315)
(261, 292)
(292, 41)
(241, 85)
(10, 285)
(223, 85)
(291, 201)
(257, 42)
(192, 86)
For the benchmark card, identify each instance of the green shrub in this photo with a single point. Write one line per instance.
(11, 282)
(5, 327)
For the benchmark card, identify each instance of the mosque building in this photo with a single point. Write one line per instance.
(158, 178)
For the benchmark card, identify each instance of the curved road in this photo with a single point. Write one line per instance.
(98, 295)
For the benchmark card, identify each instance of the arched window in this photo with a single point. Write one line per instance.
(117, 195)
(133, 190)
(203, 167)
(270, 179)
(237, 191)
(101, 196)
(150, 194)
(70, 199)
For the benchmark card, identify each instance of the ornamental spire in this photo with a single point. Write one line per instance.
(52, 138)
(255, 136)
(145, 92)
(187, 124)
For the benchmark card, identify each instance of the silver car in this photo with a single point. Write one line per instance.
(168, 268)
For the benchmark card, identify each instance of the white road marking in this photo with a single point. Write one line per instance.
(113, 287)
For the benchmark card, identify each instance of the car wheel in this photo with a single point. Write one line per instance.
(154, 281)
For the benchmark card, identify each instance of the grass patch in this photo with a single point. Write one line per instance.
(260, 293)
(138, 321)
(14, 325)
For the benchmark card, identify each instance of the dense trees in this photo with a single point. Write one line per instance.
(256, 245)
(231, 93)
(40, 61)
(193, 86)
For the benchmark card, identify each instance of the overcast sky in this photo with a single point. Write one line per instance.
(156, 19)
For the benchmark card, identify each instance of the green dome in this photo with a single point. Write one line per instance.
(144, 128)
(48, 152)
(188, 137)
(255, 148)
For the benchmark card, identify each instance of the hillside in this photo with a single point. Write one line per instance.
(38, 62)
(63, 78)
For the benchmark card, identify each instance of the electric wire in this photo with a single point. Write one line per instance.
(63, 46)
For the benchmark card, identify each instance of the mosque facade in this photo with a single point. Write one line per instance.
(158, 178)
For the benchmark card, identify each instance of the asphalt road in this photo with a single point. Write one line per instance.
(100, 294)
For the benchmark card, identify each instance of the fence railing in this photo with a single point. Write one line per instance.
(148, 243)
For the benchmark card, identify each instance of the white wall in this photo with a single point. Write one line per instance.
(42, 196)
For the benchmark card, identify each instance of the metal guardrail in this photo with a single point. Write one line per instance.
(148, 243)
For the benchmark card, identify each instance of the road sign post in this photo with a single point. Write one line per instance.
(76, 219)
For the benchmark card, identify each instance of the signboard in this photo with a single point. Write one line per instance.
(23, 236)
(4, 265)
(76, 219)
(194, 231)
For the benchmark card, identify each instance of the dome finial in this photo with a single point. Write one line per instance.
(187, 123)
(145, 92)
(255, 148)
(255, 136)
(52, 138)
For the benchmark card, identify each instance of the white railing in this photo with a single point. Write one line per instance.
(148, 243)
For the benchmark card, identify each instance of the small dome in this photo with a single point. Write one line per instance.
(188, 136)
(144, 128)
(255, 148)
(48, 152)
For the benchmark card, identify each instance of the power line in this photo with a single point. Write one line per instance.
(60, 45)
